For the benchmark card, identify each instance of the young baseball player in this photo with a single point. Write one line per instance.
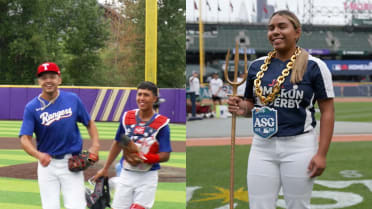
(281, 91)
(52, 116)
(150, 132)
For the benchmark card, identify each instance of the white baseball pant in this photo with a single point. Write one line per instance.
(135, 187)
(56, 177)
(281, 161)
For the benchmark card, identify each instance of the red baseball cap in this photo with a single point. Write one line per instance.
(48, 67)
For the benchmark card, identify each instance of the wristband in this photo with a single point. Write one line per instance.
(151, 158)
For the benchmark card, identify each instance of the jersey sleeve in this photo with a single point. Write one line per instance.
(248, 93)
(322, 81)
(119, 131)
(83, 115)
(28, 123)
(163, 138)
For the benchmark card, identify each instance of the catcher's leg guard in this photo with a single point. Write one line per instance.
(136, 206)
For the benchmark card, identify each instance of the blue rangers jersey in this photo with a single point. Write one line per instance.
(155, 129)
(55, 125)
(295, 102)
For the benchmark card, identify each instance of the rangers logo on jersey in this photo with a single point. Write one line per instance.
(49, 118)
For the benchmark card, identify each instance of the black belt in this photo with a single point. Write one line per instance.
(60, 157)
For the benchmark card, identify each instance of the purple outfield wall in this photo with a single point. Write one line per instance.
(103, 104)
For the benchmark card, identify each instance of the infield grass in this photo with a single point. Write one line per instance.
(24, 193)
(106, 130)
(348, 173)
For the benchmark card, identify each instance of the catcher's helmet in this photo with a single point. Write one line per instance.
(99, 198)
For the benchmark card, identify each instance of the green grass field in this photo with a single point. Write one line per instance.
(348, 177)
(106, 130)
(211, 186)
(352, 111)
(24, 194)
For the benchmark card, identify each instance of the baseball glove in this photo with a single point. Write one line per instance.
(128, 145)
(82, 161)
(131, 151)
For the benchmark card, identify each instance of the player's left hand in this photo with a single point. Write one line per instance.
(133, 158)
(317, 165)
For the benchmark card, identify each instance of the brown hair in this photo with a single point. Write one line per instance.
(300, 64)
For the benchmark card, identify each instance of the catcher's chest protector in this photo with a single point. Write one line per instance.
(143, 134)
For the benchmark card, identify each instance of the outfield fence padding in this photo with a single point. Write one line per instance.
(103, 103)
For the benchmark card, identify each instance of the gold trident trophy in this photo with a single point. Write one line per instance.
(234, 85)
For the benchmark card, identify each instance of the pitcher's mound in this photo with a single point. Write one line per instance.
(29, 171)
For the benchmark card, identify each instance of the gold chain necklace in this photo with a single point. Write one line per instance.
(279, 80)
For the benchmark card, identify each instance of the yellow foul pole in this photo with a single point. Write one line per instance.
(151, 40)
(201, 43)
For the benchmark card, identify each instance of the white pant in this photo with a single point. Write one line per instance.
(281, 161)
(56, 177)
(135, 187)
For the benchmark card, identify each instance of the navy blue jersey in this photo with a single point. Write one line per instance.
(55, 126)
(295, 102)
(162, 136)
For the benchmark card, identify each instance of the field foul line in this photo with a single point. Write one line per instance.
(221, 141)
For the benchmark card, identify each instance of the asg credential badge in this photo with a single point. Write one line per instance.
(265, 121)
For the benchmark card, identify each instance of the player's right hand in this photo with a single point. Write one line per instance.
(44, 159)
(94, 149)
(235, 105)
(101, 172)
